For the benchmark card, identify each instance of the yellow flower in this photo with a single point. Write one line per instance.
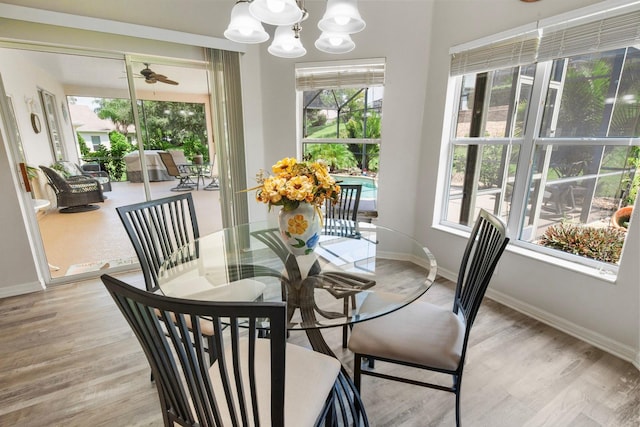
(294, 183)
(272, 190)
(299, 188)
(284, 166)
(297, 224)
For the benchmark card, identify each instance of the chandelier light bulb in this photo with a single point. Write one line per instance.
(275, 6)
(342, 19)
(342, 16)
(335, 43)
(276, 12)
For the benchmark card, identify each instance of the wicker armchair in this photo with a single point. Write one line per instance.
(75, 193)
(72, 169)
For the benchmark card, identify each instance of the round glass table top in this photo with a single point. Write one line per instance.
(352, 263)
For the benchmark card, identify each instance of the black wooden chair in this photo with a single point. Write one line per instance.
(254, 381)
(74, 193)
(425, 336)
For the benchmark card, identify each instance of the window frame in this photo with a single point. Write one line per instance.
(523, 179)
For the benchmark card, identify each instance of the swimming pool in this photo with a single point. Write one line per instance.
(369, 185)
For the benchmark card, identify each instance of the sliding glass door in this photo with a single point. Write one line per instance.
(83, 103)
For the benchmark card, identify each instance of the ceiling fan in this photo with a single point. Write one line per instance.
(151, 77)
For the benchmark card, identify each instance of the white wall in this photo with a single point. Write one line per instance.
(606, 314)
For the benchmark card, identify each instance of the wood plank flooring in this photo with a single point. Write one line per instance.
(68, 358)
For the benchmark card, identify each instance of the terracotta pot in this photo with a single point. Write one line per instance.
(621, 216)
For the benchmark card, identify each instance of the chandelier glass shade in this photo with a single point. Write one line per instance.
(276, 12)
(243, 27)
(285, 44)
(335, 43)
(341, 18)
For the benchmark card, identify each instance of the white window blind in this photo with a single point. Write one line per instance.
(340, 75)
(609, 32)
(614, 24)
(505, 53)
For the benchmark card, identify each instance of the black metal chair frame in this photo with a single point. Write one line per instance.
(340, 219)
(180, 172)
(482, 253)
(157, 228)
(187, 394)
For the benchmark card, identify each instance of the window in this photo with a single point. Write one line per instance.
(553, 145)
(95, 142)
(53, 124)
(341, 119)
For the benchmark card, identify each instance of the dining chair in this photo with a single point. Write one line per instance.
(254, 381)
(425, 336)
(340, 219)
(157, 228)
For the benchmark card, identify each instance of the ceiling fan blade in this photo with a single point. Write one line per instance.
(169, 82)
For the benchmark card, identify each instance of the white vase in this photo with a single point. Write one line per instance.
(300, 228)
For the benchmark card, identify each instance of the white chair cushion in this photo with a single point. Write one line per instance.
(420, 333)
(309, 378)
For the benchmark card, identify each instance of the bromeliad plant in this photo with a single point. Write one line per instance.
(296, 182)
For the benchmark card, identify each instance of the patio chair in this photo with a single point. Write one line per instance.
(426, 336)
(177, 171)
(214, 175)
(72, 169)
(74, 193)
(255, 381)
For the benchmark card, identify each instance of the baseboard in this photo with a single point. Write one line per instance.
(616, 348)
(600, 341)
(23, 288)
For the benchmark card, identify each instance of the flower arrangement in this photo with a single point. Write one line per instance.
(297, 182)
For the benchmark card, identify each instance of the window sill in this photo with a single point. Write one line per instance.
(608, 275)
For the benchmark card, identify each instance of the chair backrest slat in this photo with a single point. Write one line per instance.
(158, 228)
(191, 392)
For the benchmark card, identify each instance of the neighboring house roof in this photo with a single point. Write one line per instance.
(84, 119)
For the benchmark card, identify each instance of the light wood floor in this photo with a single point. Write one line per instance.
(68, 358)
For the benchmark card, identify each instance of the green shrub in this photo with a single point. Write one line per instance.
(599, 243)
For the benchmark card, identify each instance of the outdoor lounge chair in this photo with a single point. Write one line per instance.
(177, 171)
(74, 193)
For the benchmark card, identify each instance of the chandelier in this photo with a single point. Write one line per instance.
(340, 19)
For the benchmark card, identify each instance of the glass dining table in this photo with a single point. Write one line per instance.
(324, 289)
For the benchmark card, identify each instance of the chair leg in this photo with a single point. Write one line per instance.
(357, 367)
(456, 384)
(345, 328)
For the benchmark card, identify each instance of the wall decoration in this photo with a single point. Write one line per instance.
(35, 123)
